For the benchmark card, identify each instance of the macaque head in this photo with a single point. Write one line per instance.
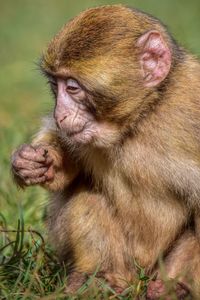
(105, 68)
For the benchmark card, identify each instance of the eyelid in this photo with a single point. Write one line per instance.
(72, 82)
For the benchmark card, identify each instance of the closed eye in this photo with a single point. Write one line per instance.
(72, 86)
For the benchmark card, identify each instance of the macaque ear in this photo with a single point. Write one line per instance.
(155, 58)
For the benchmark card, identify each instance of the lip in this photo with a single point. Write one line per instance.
(71, 134)
(74, 133)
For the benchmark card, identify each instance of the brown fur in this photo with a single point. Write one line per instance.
(134, 198)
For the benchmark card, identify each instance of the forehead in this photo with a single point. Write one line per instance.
(93, 33)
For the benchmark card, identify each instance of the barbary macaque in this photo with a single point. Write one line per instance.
(121, 152)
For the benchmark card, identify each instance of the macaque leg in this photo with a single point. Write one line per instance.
(84, 234)
(181, 265)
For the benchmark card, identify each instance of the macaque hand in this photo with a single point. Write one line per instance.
(32, 165)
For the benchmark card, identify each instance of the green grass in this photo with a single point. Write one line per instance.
(28, 267)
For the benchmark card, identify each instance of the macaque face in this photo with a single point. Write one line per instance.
(73, 117)
(102, 79)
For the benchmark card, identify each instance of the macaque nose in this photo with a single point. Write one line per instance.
(62, 108)
(59, 120)
(61, 112)
(60, 115)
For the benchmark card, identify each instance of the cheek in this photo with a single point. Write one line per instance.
(106, 134)
(98, 134)
(75, 121)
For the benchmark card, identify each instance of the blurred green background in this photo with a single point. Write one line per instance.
(26, 26)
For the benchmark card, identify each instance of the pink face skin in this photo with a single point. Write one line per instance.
(74, 120)
(70, 113)
(77, 124)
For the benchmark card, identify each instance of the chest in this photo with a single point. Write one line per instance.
(140, 170)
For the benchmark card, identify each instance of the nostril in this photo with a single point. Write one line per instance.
(62, 119)
(59, 120)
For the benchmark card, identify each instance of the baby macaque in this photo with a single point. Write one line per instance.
(121, 152)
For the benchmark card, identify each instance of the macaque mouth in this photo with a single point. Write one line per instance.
(72, 132)
(71, 129)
